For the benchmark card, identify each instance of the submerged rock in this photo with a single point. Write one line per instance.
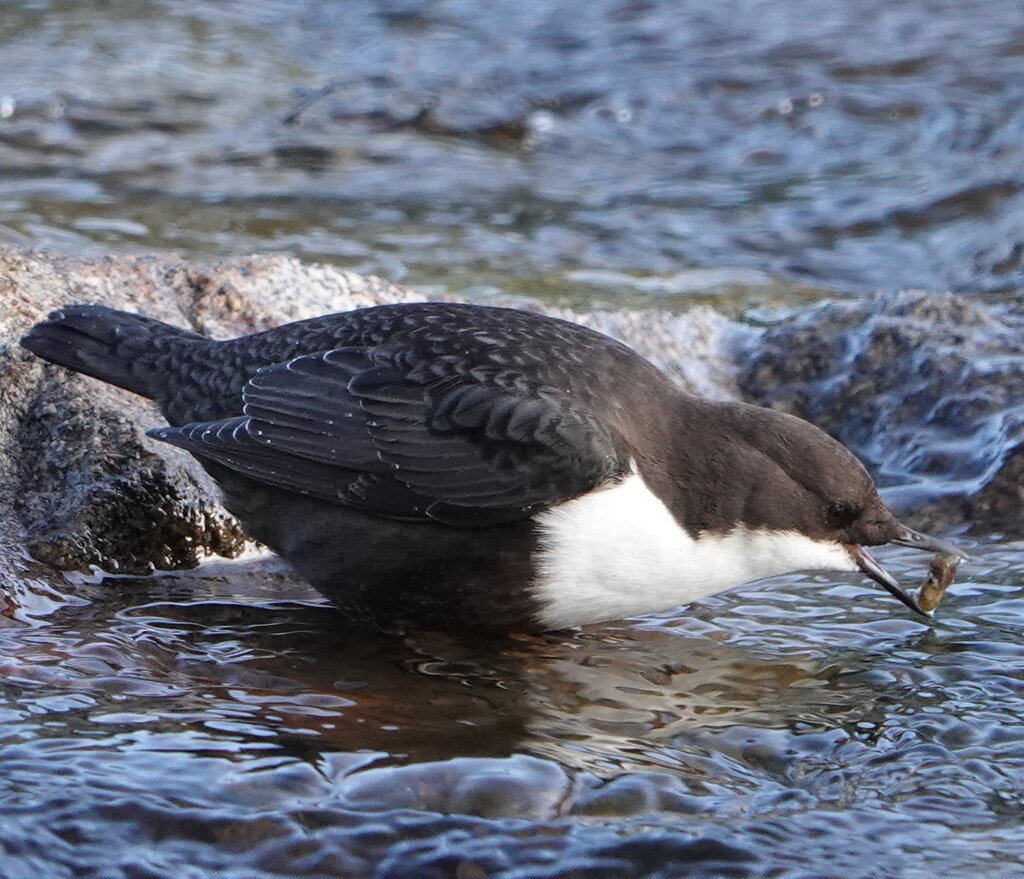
(999, 506)
(515, 787)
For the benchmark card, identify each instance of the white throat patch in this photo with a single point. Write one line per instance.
(618, 552)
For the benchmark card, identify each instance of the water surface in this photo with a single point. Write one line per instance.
(564, 149)
(181, 720)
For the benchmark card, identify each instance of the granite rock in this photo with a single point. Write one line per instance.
(80, 484)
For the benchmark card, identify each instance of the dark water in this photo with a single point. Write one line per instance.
(606, 152)
(562, 149)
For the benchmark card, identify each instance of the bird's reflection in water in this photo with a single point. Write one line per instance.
(260, 660)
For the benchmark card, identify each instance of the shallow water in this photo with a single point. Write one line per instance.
(802, 724)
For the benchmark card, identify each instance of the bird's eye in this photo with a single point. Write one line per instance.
(842, 513)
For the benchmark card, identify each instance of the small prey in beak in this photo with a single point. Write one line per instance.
(914, 540)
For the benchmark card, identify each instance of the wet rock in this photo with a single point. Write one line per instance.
(80, 484)
(507, 134)
(517, 787)
(999, 506)
(924, 387)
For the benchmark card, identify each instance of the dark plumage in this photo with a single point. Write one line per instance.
(395, 455)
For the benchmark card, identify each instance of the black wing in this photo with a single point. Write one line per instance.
(380, 430)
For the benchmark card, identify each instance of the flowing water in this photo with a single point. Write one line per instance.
(569, 148)
(226, 723)
(805, 725)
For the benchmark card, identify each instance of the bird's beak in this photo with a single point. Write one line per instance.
(906, 537)
(916, 540)
(882, 577)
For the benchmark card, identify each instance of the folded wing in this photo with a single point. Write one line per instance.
(379, 430)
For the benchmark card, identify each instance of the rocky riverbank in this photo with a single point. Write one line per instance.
(926, 388)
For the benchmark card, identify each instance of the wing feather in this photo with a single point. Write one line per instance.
(378, 429)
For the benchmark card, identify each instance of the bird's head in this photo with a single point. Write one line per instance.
(798, 481)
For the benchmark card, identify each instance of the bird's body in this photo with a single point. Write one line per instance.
(459, 466)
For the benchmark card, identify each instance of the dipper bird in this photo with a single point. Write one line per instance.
(462, 466)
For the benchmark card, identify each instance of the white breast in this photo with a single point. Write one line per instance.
(618, 552)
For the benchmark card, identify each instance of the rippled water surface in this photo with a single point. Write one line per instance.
(603, 149)
(803, 724)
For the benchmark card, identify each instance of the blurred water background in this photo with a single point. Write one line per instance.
(746, 150)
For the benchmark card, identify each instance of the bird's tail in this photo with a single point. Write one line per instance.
(124, 349)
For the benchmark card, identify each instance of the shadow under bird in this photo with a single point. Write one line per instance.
(466, 467)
